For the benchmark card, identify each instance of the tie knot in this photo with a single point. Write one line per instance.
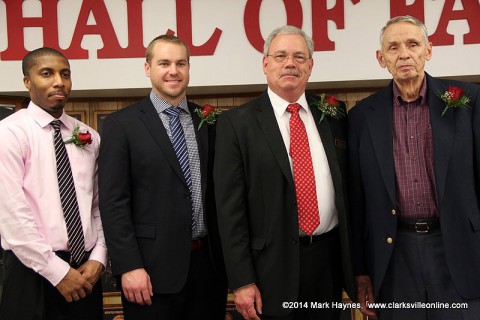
(56, 124)
(293, 107)
(173, 112)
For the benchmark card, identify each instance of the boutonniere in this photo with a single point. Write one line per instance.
(80, 137)
(208, 114)
(453, 98)
(330, 107)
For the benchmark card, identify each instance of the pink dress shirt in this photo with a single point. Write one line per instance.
(32, 224)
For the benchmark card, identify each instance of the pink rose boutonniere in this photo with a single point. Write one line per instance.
(208, 114)
(454, 98)
(80, 137)
(330, 107)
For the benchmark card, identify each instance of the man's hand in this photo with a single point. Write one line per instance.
(73, 286)
(364, 295)
(137, 287)
(91, 270)
(248, 302)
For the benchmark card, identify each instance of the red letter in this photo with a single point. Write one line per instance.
(104, 28)
(400, 8)
(320, 17)
(251, 20)
(16, 23)
(470, 12)
(184, 26)
(135, 48)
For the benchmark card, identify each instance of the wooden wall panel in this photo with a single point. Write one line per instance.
(353, 98)
(92, 111)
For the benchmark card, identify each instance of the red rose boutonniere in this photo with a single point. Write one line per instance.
(330, 107)
(80, 137)
(454, 98)
(208, 114)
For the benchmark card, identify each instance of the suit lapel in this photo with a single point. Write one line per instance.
(380, 124)
(442, 132)
(267, 121)
(327, 138)
(149, 116)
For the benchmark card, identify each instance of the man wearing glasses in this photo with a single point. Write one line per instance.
(279, 185)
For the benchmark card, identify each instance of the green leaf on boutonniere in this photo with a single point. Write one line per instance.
(208, 114)
(453, 98)
(330, 107)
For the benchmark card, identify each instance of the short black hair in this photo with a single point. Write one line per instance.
(31, 58)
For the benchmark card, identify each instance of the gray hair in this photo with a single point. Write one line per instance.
(288, 30)
(408, 19)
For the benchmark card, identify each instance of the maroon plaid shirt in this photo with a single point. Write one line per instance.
(413, 155)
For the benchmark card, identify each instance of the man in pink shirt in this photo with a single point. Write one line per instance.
(50, 224)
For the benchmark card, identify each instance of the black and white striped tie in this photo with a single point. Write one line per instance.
(68, 197)
(180, 146)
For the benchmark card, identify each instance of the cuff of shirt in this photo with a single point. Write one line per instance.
(55, 270)
(99, 254)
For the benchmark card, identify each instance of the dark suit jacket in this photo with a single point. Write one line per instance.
(144, 200)
(4, 112)
(456, 158)
(255, 195)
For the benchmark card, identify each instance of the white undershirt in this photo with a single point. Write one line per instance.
(323, 178)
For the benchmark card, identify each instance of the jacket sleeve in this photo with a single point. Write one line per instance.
(231, 199)
(115, 198)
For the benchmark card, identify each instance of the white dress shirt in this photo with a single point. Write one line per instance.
(32, 222)
(323, 178)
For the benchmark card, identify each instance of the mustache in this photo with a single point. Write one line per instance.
(291, 72)
(57, 92)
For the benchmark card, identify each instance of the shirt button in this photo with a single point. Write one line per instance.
(389, 240)
(412, 137)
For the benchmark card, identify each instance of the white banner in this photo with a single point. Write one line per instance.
(105, 40)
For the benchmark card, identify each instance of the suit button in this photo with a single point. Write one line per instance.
(294, 241)
(389, 240)
(394, 212)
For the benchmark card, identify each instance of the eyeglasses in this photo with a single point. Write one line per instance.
(282, 57)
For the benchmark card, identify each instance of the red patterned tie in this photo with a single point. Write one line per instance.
(303, 174)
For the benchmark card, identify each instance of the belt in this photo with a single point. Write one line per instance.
(67, 257)
(419, 225)
(307, 240)
(199, 243)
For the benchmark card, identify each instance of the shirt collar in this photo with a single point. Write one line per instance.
(161, 105)
(280, 105)
(44, 119)
(422, 96)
